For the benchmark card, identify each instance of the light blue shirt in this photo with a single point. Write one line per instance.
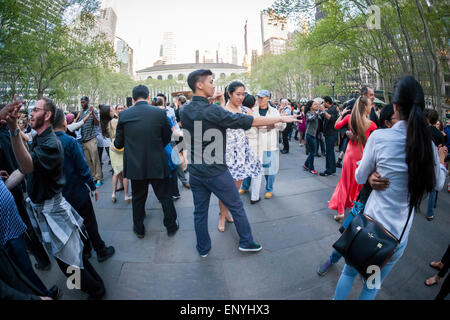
(171, 114)
(385, 154)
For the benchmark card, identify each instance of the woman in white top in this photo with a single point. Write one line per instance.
(406, 156)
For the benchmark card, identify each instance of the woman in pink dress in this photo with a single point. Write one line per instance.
(348, 189)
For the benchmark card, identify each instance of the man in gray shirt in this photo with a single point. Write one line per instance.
(89, 140)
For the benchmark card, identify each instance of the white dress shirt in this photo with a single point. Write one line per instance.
(385, 153)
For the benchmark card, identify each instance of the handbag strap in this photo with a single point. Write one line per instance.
(407, 221)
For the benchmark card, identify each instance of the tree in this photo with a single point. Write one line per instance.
(48, 44)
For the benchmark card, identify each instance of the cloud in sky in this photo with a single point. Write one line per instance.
(197, 24)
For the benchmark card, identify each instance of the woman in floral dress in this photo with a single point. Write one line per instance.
(242, 162)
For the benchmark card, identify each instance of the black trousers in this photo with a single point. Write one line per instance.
(18, 254)
(285, 135)
(32, 241)
(445, 289)
(91, 282)
(174, 181)
(86, 211)
(163, 189)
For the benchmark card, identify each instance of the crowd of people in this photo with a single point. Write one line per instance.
(221, 143)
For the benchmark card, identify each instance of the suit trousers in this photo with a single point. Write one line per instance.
(163, 189)
(92, 158)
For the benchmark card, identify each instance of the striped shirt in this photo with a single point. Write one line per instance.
(89, 129)
(11, 225)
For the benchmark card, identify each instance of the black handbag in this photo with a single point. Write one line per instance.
(367, 243)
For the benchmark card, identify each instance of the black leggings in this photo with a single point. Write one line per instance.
(445, 289)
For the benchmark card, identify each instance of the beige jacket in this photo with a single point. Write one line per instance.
(261, 139)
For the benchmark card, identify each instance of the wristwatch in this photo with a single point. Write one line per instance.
(14, 133)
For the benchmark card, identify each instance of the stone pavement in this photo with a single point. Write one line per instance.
(295, 228)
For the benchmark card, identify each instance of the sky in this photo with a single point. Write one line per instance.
(197, 24)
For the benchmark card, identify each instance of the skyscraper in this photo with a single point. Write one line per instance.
(274, 31)
(169, 49)
(107, 23)
(125, 56)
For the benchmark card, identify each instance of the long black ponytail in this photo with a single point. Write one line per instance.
(409, 97)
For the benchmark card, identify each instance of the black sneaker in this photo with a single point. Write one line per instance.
(325, 174)
(255, 202)
(176, 197)
(139, 235)
(172, 232)
(54, 293)
(254, 247)
(105, 254)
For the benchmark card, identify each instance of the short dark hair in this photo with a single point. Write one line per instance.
(162, 95)
(59, 119)
(365, 90)
(51, 107)
(432, 116)
(386, 115)
(159, 102)
(327, 99)
(197, 76)
(140, 92)
(231, 88)
(249, 101)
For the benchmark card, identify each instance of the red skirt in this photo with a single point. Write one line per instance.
(347, 189)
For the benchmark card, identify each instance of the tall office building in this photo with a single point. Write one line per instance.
(169, 49)
(107, 23)
(274, 32)
(125, 56)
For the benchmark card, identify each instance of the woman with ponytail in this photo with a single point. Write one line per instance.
(406, 156)
(361, 127)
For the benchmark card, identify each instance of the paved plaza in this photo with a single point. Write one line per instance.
(295, 228)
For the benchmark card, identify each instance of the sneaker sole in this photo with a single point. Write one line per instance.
(250, 250)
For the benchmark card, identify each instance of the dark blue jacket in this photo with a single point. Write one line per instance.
(78, 176)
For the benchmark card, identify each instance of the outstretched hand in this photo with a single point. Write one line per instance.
(9, 114)
(290, 119)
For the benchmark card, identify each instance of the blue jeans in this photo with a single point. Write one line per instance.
(349, 274)
(311, 143)
(431, 203)
(224, 187)
(321, 144)
(269, 183)
(330, 156)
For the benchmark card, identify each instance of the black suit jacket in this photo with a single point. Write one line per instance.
(144, 131)
(14, 285)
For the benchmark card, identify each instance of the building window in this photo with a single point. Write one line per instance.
(160, 77)
(149, 77)
(222, 76)
(170, 77)
(213, 75)
(180, 77)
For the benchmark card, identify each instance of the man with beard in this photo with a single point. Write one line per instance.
(89, 140)
(59, 224)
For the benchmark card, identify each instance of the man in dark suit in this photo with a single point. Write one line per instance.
(144, 131)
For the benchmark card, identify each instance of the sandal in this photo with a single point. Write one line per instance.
(339, 217)
(128, 199)
(431, 281)
(113, 198)
(436, 265)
